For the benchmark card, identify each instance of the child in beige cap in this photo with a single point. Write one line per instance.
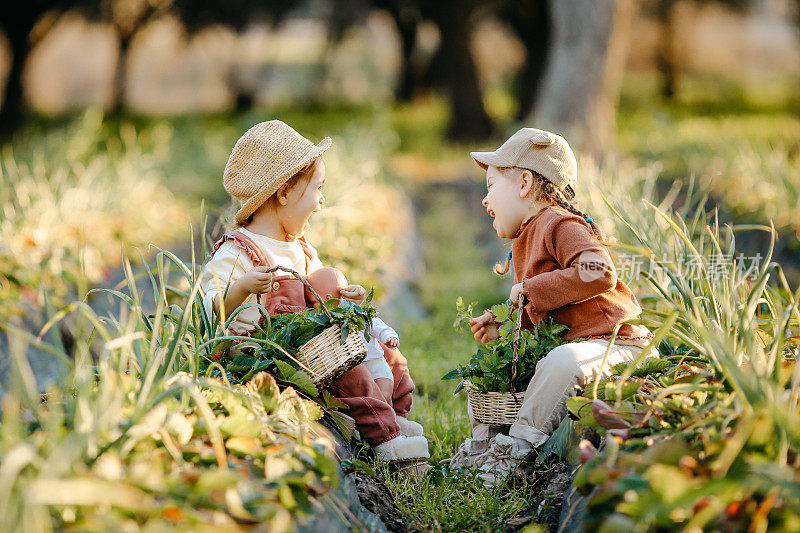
(562, 267)
(277, 176)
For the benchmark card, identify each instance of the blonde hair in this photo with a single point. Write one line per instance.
(545, 191)
(303, 175)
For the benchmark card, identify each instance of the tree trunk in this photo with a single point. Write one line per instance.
(667, 65)
(456, 67)
(11, 109)
(407, 21)
(581, 86)
(532, 23)
(120, 74)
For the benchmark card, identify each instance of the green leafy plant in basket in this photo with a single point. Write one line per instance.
(277, 339)
(489, 368)
(274, 345)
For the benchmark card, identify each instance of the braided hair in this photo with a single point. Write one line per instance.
(545, 190)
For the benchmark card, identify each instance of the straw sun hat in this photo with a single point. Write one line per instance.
(263, 159)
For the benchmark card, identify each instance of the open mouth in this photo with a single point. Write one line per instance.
(491, 213)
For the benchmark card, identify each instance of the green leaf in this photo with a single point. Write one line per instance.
(240, 424)
(577, 405)
(668, 481)
(345, 424)
(558, 443)
(628, 389)
(243, 361)
(332, 402)
(285, 369)
(370, 296)
(303, 382)
(356, 465)
(453, 374)
(502, 312)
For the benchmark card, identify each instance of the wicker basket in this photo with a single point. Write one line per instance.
(325, 357)
(499, 408)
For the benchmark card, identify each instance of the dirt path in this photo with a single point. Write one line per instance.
(457, 248)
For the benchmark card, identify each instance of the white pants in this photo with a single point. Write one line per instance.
(379, 368)
(560, 375)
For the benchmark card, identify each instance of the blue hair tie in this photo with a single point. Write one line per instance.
(588, 220)
(509, 255)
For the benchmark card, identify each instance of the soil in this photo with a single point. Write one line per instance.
(551, 484)
(376, 497)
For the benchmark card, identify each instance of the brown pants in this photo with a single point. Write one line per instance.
(373, 416)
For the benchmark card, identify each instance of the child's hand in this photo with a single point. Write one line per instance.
(484, 327)
(392, 342)
(516, 290)
(356, 293)
(257, 281)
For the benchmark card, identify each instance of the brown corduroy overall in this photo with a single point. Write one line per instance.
(374, 418)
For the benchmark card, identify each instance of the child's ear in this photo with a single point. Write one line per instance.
(283, 195)
(526, 183)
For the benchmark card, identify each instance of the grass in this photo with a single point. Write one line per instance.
(710, 432)
(453, 267)
(380, 158)
(134, 438)
(458, 502)
(740, 141)
(70, 199)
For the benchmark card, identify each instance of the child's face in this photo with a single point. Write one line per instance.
(302, 202)
(506, 200)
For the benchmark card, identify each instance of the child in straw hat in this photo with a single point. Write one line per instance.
(277, 176)
(563, 269)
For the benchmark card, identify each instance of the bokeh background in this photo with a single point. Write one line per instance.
(118, 116)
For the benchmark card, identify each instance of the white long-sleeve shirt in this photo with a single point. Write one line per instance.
(231, 263)
(379, 332)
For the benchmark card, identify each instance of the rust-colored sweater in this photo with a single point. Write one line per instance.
(567, 273)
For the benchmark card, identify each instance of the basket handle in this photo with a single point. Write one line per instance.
(308, 286)
(515, 344)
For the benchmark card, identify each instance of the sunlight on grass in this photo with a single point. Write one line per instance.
(457, 502)
(70, 199)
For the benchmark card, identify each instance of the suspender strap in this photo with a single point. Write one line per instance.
(254, 251)
(246, 244)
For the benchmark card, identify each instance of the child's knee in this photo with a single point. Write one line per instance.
(386, 387)
(560, 360)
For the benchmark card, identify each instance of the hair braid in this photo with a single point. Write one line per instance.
(562, 199)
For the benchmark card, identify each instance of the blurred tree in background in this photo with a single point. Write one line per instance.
(18, 24)
(581, 85)
(569, 80)
(452, 68)
(664, 11)
(532, 23)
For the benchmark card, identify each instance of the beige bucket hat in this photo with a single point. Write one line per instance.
(536, 150)
(263, 159)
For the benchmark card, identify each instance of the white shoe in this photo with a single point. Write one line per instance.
(402, 448)
(503, 456)
(468, 454)
(408, 428)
